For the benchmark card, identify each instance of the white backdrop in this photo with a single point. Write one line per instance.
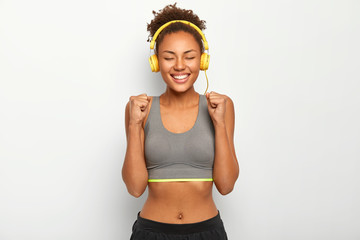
(67, 69)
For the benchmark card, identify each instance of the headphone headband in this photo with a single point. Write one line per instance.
(152, 43)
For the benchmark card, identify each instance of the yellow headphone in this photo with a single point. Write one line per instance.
(204, 60)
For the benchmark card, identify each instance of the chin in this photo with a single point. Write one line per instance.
(180, 89)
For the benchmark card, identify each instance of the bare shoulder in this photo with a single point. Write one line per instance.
(229, 101)
(230, 114)
(229, 104)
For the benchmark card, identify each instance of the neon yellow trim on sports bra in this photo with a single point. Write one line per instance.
(182, 180)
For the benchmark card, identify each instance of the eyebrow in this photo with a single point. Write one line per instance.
(171, 52)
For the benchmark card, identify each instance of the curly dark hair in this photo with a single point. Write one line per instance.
(169, 13)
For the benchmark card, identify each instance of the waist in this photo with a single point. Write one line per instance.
(187, 228)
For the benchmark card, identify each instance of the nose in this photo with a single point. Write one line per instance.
(179, 64)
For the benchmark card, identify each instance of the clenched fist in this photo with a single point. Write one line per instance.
(138, 108)
(217, 107)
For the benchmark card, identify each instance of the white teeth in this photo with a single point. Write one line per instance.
(180, 76)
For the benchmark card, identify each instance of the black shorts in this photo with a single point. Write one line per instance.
(211, 229)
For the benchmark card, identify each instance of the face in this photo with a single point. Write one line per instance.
(179, 61)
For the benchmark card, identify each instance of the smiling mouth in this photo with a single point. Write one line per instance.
(180, 78)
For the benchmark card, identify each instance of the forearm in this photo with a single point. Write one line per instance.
(226, 169)
(134, 170)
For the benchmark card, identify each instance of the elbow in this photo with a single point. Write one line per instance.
(225, 190)
(136, 194)
(135, 188)
(135, 185)
(136, 191)
(225, 186)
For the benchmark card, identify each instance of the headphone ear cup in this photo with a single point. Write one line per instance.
(204, 61)
(154, 64)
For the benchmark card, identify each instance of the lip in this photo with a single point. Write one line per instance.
(180, 80)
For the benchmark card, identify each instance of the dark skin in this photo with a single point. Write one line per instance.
(180, 202)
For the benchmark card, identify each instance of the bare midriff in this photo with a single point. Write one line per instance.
(179, 202)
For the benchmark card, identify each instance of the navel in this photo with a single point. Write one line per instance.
(180, 216)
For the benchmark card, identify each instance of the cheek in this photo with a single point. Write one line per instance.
(164, 65)
(196, 62)
(195, 65)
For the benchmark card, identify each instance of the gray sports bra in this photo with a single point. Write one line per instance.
(187, 156)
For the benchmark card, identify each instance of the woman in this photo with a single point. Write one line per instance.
(181, 142)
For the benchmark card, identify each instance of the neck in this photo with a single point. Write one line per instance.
(180, 99)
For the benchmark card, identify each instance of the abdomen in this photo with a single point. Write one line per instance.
(179, 202)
